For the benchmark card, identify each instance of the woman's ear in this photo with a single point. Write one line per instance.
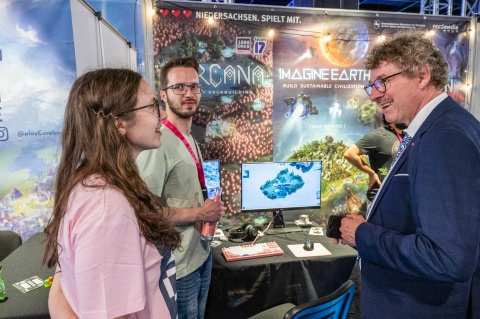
(121, 125)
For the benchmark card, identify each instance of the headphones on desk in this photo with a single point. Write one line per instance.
(246, 232)
(250, 231)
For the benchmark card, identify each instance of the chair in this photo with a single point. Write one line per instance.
(332, 306)
(9, 241)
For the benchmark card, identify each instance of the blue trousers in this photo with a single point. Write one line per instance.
(192, 292)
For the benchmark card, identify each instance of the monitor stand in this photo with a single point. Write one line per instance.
(280, 227)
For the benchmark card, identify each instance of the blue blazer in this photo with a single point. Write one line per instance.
(420, 250)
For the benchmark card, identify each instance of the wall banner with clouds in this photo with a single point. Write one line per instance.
(285, 84)
(37, 68)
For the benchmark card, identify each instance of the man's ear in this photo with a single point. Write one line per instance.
(163, 96)
(121, 125)
(424, 76)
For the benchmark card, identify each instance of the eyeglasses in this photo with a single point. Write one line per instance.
(155, 105)
(379, 84)
(180, 89)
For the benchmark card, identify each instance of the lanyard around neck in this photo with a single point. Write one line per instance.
(201, 174)
(399, 136)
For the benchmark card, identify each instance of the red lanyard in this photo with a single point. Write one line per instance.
(201, 174)
(400, 138)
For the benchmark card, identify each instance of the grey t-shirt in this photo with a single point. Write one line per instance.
(170, 172)
(380, 145)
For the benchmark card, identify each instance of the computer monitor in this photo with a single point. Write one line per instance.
(211, 168)
(281, 186)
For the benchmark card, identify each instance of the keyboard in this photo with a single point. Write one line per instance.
(258, 250)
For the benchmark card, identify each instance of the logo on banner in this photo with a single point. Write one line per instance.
(259, 45)
(376, 24)
(449, 28)
(176, 13)
(244, 45)
(3, 134)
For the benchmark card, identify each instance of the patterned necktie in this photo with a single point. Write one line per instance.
(403, 145)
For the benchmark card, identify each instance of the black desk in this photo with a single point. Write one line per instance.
(240, 289)
(23, 263)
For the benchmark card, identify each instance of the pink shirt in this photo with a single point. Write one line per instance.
(108, 268)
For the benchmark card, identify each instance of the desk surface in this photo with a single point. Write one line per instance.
(23, 263)
(240, 289)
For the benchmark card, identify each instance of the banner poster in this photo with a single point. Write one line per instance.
(37, 68)
(293, 95)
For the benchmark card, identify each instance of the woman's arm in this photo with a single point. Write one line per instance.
(58, 305)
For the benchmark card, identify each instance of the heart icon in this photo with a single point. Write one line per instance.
(176, 13)
(164, 12)
(187, 13)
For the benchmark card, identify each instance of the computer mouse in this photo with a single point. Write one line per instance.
(308, 245)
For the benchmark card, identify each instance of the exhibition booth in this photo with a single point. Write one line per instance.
(282, 84)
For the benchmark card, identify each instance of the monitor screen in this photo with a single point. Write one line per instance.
(268, 186)
(211, 168)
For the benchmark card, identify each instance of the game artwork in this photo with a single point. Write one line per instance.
(285, 185)
(287, 85)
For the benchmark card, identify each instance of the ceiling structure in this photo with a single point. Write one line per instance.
(445, 7)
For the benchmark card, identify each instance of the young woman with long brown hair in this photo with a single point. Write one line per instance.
(108, 236)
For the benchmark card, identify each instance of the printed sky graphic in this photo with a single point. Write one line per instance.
(36, 72)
